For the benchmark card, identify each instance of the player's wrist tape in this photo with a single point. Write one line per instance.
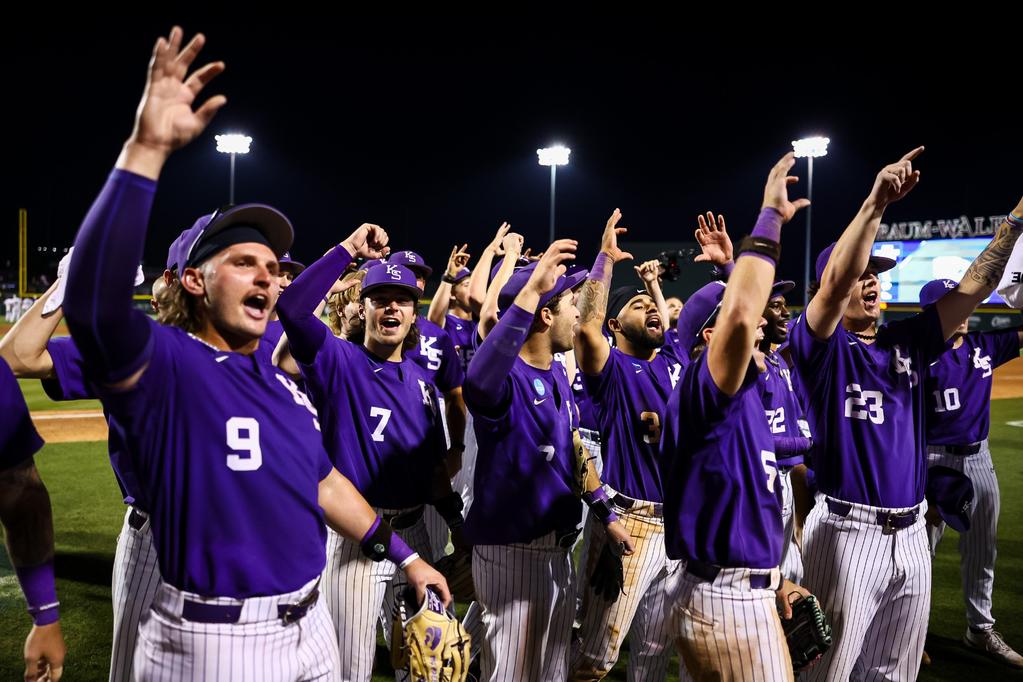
(37, 582)
(449, 279)
(1014, 220)
(600, 506)
(450, 509)
(764, 249)
(600, 264)
(381, 542)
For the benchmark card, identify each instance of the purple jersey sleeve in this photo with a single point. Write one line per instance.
(306, 334)
(111, 334)
(1003, 346)
(18, 437)
(68, 382)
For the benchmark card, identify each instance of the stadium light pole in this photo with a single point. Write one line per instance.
(233, 144)
(554, 156)
(810, 147)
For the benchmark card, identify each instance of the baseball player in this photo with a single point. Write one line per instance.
(382, 427)
(34, 353)
(227, 450)
(289, 270)
(787, 421)
(438, 356)
(722, 501)
(28, 528)
(958, 393)
(629, 385)
(523, 527)
(865, 548)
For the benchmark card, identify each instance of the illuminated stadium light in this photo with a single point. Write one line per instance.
(233, 143)
(554, 156)
(811, 147)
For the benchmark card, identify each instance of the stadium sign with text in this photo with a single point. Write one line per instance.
(954, 228)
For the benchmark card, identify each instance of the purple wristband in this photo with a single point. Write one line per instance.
(604, 509)
(768, 225)
(37, 583)
(397, 550)
(599, 264)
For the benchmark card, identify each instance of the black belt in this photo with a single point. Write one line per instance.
(961, 450)
(709, 572)
(889, 521)
(403, 520)
(199, 612)
(625, 502)
(137, 518)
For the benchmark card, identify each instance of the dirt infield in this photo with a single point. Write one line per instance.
(70, 427)
(65, 427)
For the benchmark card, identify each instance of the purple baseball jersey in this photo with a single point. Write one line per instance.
(865, 405)
(629, 397)
(587, 412)
(781, 403)
(722, 496)
(525, 461)
(436, 354)
(463, 336)
(229, 456)
(958, 387)
(69, 383)
(268, 344)
(380, 422)
(18, 437)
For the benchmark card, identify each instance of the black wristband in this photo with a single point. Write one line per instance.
(376, 543)
(448, 279)
(764, 247)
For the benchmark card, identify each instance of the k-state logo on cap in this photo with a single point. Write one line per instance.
(541, 390)
(392, 270)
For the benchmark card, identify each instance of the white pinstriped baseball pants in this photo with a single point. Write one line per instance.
(527, 596)
(258, 648)
(133, 585)
(791, 557)
(977, 546)
(725, 630)
(359, 592)
(641, 612)
(874, 587)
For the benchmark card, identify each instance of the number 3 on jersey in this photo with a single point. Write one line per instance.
(864, 404)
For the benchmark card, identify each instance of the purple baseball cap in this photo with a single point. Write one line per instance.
(290, 265)
(879, 263)
(266, 220)
(390, 275)
(462, 274)
(411, 260)
(372, 263)
(934, 290)
(781, 288)
(698, 313)
(519, 278)
(951, 491)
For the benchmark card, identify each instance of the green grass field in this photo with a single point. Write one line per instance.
(88, 513)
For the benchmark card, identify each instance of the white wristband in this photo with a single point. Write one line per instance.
(408, 560)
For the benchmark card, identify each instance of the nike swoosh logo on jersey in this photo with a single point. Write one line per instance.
(222, 358)
(377, 370)
(539, 402)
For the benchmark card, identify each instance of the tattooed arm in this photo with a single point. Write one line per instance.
(982, 276)
(591, 349)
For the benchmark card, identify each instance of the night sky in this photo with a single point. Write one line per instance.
(430, 129)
